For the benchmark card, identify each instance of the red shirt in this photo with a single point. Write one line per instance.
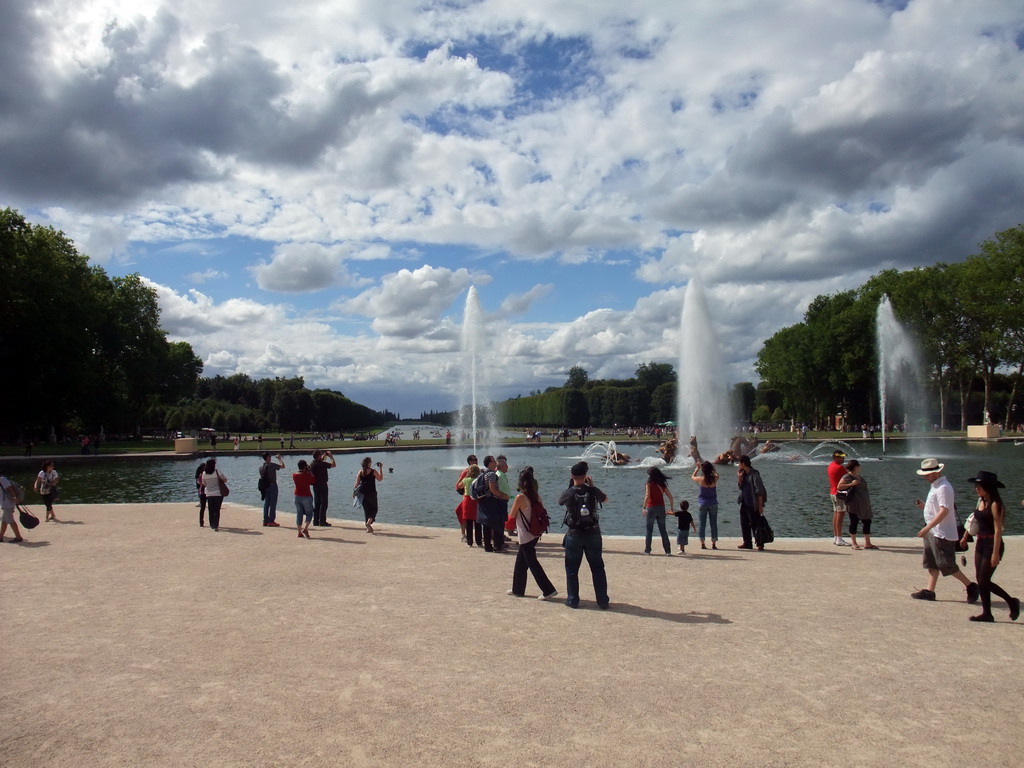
(655, 498)
(835, 474)
(303, 483)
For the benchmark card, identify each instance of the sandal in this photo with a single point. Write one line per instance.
(870, 546)
(855, 546)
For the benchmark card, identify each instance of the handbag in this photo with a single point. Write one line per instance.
(224, 490)
(972, 526)
(27, 519)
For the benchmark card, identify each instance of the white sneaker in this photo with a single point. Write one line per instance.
(842, 543)
(548, 596)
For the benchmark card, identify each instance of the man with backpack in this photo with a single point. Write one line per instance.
(580, 500)
(492, 506)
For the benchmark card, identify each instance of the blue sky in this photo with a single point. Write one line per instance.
(314, 193)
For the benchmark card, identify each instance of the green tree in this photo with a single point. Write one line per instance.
(652, 375)
(577, 379)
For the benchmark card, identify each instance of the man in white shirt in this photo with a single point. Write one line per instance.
(939, 533)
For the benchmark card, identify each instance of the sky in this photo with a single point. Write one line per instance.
(312, 188)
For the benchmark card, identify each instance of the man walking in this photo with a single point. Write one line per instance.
(322, 462)
(268, 480)
(580, 500)
(939, 533)
(752, 497)
(836, 470)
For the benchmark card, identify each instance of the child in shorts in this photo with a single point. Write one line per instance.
(685, 524)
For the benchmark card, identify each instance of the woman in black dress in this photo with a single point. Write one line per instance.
(366, 483)
(988, 545)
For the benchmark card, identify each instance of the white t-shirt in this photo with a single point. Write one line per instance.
(941, 495)
(47, 480)
(211, 484)
(7, 502)
(523, 522)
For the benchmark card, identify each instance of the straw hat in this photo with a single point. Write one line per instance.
(930, 467)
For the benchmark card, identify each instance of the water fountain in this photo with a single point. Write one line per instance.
(703, 396)
(475, 412)
(899, 383)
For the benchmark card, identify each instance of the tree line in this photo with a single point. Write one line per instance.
(968, 322)
(85, 351)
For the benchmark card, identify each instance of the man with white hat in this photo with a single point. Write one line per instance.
(939, 533)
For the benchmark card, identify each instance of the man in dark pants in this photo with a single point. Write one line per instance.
(322, 461)
(584, 536)
(491, 508)
(752, 496)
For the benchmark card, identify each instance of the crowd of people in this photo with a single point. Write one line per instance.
(488, 510)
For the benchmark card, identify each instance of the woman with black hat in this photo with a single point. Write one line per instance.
(988, 547)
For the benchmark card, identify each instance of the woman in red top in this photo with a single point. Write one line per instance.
(654, 507)
(304, 480)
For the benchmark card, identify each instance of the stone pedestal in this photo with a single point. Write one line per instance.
(186, 445)
(982, 431)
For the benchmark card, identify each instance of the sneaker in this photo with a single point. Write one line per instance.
(842, 543)
(1014, 608)
(923, 594)
(669, 554)
(273, 524)
(510, 592)
(973, 593)
(549, 595)
(745, 546)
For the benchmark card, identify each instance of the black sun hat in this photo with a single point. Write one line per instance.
(986, 477)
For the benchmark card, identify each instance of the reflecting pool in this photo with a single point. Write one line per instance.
(418, 487)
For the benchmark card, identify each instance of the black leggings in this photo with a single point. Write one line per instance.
(853, 525)
(983, 573)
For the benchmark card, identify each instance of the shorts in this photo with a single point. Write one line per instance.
(838, 504)
(8, 516)
(940, 555)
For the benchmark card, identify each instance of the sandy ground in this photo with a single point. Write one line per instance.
(132, 637)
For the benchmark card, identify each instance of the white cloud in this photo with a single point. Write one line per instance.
(777, 150)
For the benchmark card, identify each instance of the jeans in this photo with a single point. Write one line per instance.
(577, 544)
(303, 508)
(656, 514)
(319, 503)
(270, 503)
(710, 510)
(526, 559)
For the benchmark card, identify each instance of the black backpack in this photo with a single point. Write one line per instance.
(262, 483)
(582, 497)
(480, 488)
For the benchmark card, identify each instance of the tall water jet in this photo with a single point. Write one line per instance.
(900, 392)
(703, 395)
(475, 414)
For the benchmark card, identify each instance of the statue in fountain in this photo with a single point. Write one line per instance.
(668, 450)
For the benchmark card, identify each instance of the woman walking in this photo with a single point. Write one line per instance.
(655, 493)
(303, 480)
(366, 481)
(988, 545)
(858, 503)
(526, 504)
(214, 485)
(200, 470)
(705, 476)
(46, 486)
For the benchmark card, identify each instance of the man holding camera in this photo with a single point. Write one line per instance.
(322, 462)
